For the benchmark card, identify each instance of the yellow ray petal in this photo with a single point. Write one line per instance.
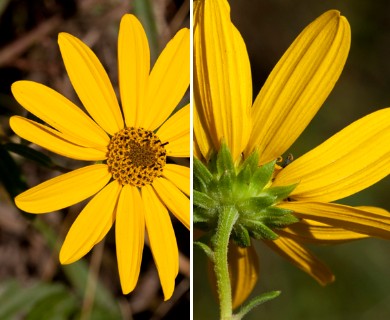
(91, 225)
(176, 131)
(168, 81)
(352, 160)
(162, 240)
(204, 144)
(60, 113)
(175, 201)
(222, 76)
(134, 67)
(341, 216)
(129, 236)
(179, 176)
(64, 190)
(311, 231)
(376, 210)
(302, 258)
(299, 84)
(244, 272)
(53, 140)
(179, 148)
(176, 126)
(196, 150)
(91, 82)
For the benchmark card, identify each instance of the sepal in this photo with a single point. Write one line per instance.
(281, 192)
(260, 231)
(201, 172)
(240, 236)
(261, 177)
(202, 200)
(225, 165)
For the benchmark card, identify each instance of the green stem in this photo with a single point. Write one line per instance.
(227, 217)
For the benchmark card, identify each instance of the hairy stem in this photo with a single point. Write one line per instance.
(228, 216)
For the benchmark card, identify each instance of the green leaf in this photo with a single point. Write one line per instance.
(144, 11)
(10, 174)
(17, 300)
(57, 306)
(247, 307)
(206, 249)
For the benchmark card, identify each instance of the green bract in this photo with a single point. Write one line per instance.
(246, 188)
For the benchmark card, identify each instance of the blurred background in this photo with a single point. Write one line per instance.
(32, 283)
(362, 268)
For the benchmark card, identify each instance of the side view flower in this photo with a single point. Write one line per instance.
(132, 182)
(238, 144)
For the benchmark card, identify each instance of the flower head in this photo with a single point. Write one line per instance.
(132, 183)
(286, 206)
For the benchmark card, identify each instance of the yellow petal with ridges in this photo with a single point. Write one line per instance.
(222, 76)
(352, 160)
(298, 85)
(176, 126)
(180, 147)
(196, 150)
(179, 176)
(64, 190)
(129, 236)
(204, 144)
(162, 240)
(310, 231)
(174, 199)
(133, 69)
(176, 131)
(53, 140)
(244, 272)
(168, 81)
(341, 216)
(60, 113)
(376, 210)
(91, 225)
(302, 258)
(91, 82)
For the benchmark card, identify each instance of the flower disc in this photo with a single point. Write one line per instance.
(136, 156)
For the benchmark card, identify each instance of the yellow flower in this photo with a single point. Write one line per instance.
(348, 162)
(132, 182)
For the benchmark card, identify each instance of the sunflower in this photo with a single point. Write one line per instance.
(284, 205)
(131, 181)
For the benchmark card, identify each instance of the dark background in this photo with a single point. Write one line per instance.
(362, 268)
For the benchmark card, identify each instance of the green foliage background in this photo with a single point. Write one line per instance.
(362, 268)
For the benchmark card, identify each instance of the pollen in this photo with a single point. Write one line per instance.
(136, 156)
